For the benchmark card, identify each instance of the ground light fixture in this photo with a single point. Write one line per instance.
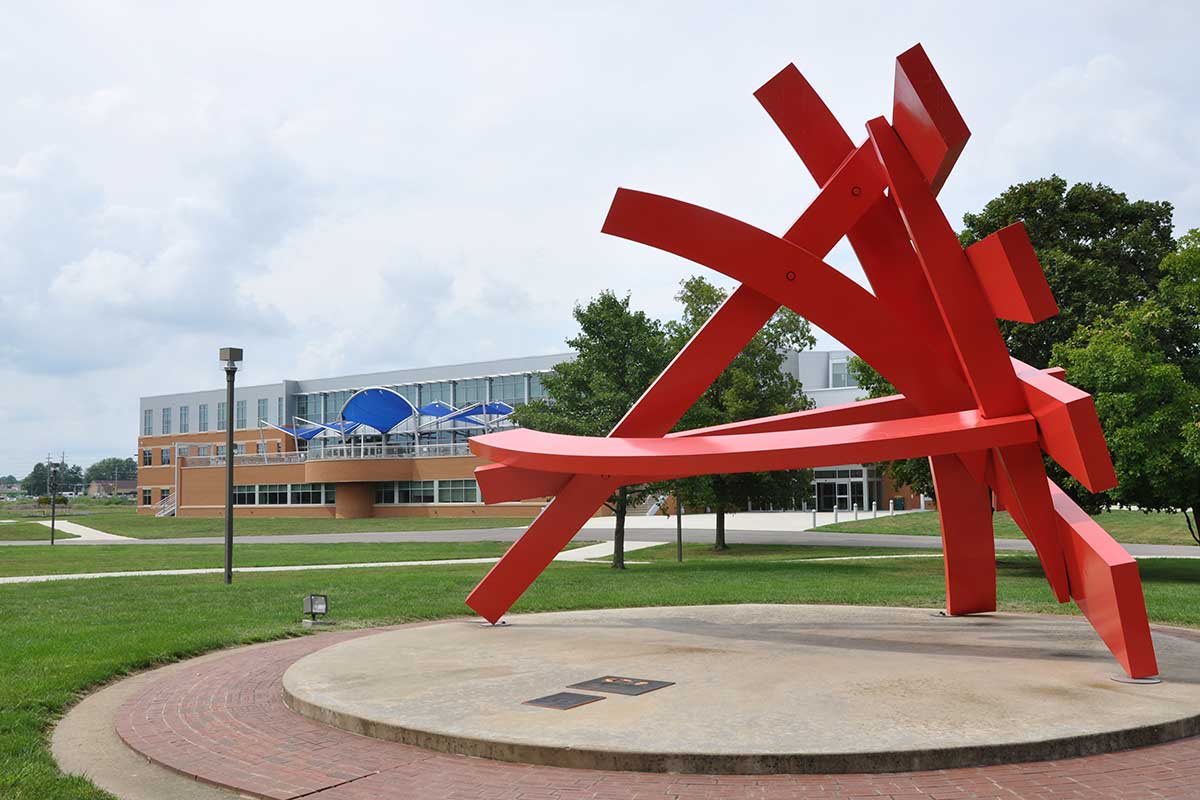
(315, 605)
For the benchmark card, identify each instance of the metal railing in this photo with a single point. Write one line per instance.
(352, 451)
(348, 452)
(166, 506)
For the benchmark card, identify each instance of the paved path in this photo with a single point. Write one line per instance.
(825, 538)
(226, 723)
(86, 534)
(601, 550)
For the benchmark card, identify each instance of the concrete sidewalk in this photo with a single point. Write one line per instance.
(578, 554)
(86, 534)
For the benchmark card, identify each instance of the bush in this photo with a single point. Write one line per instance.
(44, 500)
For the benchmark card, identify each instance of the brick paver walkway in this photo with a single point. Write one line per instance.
(225, 722)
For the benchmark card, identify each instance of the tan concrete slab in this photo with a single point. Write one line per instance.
(758, 688)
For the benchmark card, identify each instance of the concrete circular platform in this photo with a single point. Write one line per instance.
(757, 689)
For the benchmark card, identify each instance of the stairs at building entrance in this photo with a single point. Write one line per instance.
(166, 506)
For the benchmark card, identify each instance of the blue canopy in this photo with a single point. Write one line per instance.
(465, 415)
(378, 407)
(497, 408)
(341, 428)
(437, 409)
(307, 432)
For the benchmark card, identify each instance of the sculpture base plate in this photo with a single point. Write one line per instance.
(757, 689)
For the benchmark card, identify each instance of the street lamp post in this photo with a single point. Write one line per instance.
(231, 356)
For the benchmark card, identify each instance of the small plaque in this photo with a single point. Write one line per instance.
(618, 685)
(563, 701)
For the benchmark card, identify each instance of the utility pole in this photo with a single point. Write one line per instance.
(231, 356)
(52, 478)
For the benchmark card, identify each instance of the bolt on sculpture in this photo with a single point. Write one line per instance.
(983, 418)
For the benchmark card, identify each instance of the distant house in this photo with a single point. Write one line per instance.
(112, 488)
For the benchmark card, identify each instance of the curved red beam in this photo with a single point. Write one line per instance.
(786, 273)
(936, 434)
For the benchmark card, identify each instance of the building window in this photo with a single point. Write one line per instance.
(240, 413)
(509, 389)
(203, 418)
(245, 495)
(536, 390)
(148, 422)
(262, 411)
(385, 493)
(433, 392)
(471, 392)
(415, 491)
(302, 401)
(146, 498)
(306, 494)
(220, 451)
(147, 458)
(239, 449)
(456, 491)
(163, 494)
(839, 374)
(279, 411)
(166, 456)
(221, 412)
(260, 447)
(166, 422)
(410, 393)
(203, 450)
(184, 424)
(330, 493)
(273, 494)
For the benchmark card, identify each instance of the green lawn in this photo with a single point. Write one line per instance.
(1131, 527)
(694, 550)
(124, 557)
(62, 638)
(126, 522)
(29, 531)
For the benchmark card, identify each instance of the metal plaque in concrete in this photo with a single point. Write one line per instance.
(616, 684)
(563, 701)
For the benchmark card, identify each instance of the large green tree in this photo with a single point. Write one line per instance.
(1099, 249)
(753, 385)
(110, 469)
(35, 483)
(619, 352)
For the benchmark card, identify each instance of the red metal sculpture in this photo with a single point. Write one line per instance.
(983, 418)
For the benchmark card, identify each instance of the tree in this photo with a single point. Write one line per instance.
(619, 352)
(1097, 247)
(753, 385)
(1147, 406)
(1146, 386)
(110, 469)
(34, 484)
(9, 479)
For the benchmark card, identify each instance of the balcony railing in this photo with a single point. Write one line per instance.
(352, 451)
(347, 452)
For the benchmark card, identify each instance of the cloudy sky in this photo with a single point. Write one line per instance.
(346, 187)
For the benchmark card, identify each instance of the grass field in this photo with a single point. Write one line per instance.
(704, 551)
(29, 532)
(59, 639)
(126, 522)
(1131, 527)
(124, 557)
